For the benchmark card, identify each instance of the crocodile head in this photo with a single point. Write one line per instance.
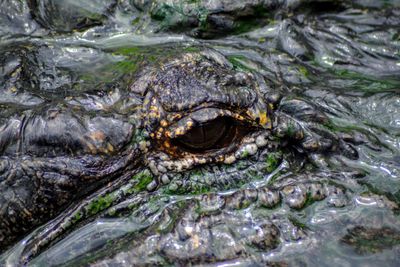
(198, 125)
(198, 110)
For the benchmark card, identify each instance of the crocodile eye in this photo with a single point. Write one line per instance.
(211, 135)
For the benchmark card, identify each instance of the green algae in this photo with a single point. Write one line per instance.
(367, 83)
(304, 71)
(77, 217)
(309, 201)
(254, 174)
(126, 66)
(272, 161)
(291, 130)
(244, 154)
(142, 179)
(139, 135)
(296, 222)
(239, 63)
(100, 204)
(272, 180)
(189, 188)
(192, 49)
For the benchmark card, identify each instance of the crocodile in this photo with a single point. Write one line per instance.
(184, 132)
(177, 116)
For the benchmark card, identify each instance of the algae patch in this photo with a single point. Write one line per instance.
(272, 161)
(142, 179)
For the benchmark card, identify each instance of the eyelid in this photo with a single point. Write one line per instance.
(225, 142)
(171, 139)
(206, 135)
(197, 118)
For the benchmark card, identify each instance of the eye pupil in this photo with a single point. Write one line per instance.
(206, 136)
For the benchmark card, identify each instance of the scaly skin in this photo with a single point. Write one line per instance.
(55, 155)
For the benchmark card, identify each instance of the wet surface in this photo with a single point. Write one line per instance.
(282, 207)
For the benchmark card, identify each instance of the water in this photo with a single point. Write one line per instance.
(344, 56)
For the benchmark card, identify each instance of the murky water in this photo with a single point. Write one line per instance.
(343, 56)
